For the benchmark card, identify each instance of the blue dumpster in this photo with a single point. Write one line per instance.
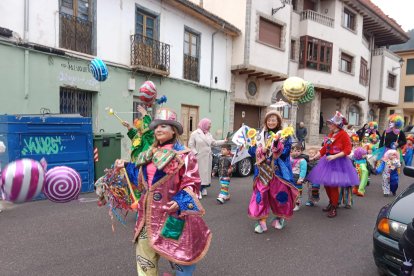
(61, 140)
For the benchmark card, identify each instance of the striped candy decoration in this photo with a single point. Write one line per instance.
(147, 93)
(99, 69)
(95, 155)
(62, 184)
(22, 180)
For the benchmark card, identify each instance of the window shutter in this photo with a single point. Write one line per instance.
(270, 32)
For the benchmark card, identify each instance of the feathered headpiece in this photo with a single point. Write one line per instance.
(398, 120)
(373, 124)
(338, 119)
(359, 153)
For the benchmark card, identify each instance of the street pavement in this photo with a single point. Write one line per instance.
(76, 238)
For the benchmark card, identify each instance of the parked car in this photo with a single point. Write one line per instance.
(242, 168)
(391, 223)
(409, 130)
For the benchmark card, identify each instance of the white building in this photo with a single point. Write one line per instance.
(339, 46)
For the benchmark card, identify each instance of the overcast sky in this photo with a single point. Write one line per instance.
(400, 10)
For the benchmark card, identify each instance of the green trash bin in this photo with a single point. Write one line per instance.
(107, 148)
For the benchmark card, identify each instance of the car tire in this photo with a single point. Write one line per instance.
(244, 167)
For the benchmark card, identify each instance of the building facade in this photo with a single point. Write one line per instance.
(339, 46)
(406, 103)
(46, 47)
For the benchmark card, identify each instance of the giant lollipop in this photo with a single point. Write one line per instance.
(294, 88)
(147, 93)
(62, 184)
(22, 180)
(309, 95)
(99, 69)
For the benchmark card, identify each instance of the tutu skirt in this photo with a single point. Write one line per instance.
(336, 173)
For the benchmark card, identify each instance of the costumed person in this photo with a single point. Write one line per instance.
(389, 169)
(408, 150)
(360, 132)
(373, 142)
(355, 140)
(200, 143)
(224, 170)
(299, 169)
(360, 164)
(313, 188)
(334, 169)
(169, 220)
(141, 136)
(273, 187)
(372, 129)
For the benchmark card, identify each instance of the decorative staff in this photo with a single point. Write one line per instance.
(134, 205)
(112, 112)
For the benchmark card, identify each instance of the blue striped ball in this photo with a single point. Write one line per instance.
(99, 69)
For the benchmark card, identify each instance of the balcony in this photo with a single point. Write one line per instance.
(317, 17)
(385, 76)
(150, 55)
(191, 68)
(75, 33)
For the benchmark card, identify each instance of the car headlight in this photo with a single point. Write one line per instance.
(391, 228)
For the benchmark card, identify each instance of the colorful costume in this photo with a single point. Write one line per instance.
(360, 164)
(338, 172)
(313, 188)
(389, 168)
(169, 173)
(141, 136)
(273, 187)
(407, 151)
(224, 170)
(299, 169)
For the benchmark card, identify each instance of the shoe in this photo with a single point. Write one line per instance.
(386, 195)
(297, 208)
(279, 223)
(259, 228)
(204, 192)
(309, 203)
(200, 196)
(327, 208)
(393, 194)
(354, 190)
(220, 200)
(360, 194)
(348, 206)
(332, 212)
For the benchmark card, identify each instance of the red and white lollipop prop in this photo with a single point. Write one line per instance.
(62, 184)
(147, 93)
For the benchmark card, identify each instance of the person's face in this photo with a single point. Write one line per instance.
(366, 126)
(301, 124)
(295, 152)
(391, 124)
(312, 153)
(409, 143)
(272, 122)
(371, 127)
(163, 133)
(225, 151)
(331, 126)
(208, 126)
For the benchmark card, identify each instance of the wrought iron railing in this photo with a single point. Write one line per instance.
(149, 54)
(191, 68)
(317, 17)
(75, 33)
(76, 101)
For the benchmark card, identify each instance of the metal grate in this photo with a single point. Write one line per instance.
(75, 33)
(191, 68)
(76, 101)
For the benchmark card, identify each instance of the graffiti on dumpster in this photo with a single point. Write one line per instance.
(42, 145)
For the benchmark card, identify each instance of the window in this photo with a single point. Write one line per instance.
(252, 88)
(346, 63)
(293, 49)
(76, 25)
(295, 5)
(363, 72)
(409, 94)
(391, 81)
(349, 19)
(76, 101)
(410, 66)
(353, 117)
(191, 55)
(371, 115)
(315, 54)
(270, 32)
(146, 24)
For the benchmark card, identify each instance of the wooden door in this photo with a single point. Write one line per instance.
(246, 114)
(189, 120)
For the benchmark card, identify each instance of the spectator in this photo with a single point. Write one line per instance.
(321, 122)
(301, 133)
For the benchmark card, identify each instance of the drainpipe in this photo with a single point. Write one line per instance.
(212, 63)
(26, 51)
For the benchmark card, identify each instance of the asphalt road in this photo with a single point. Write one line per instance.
(45, 238)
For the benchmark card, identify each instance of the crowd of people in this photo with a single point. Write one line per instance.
(170, 179)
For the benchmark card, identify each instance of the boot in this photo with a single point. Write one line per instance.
(332, 212)
(355, 190)
(327, 208)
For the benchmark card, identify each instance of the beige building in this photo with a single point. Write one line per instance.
(338, 45)
(406, 103)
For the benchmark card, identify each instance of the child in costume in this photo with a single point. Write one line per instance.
(389, 168)
(299, 169)
(224, 170)
(313, 188)
(360, 164)
(335, 169)
(169, 220)
(372, 129)
(408, 151)
(273, 187)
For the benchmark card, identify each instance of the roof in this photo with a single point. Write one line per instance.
(386, 30)
(205, 16)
